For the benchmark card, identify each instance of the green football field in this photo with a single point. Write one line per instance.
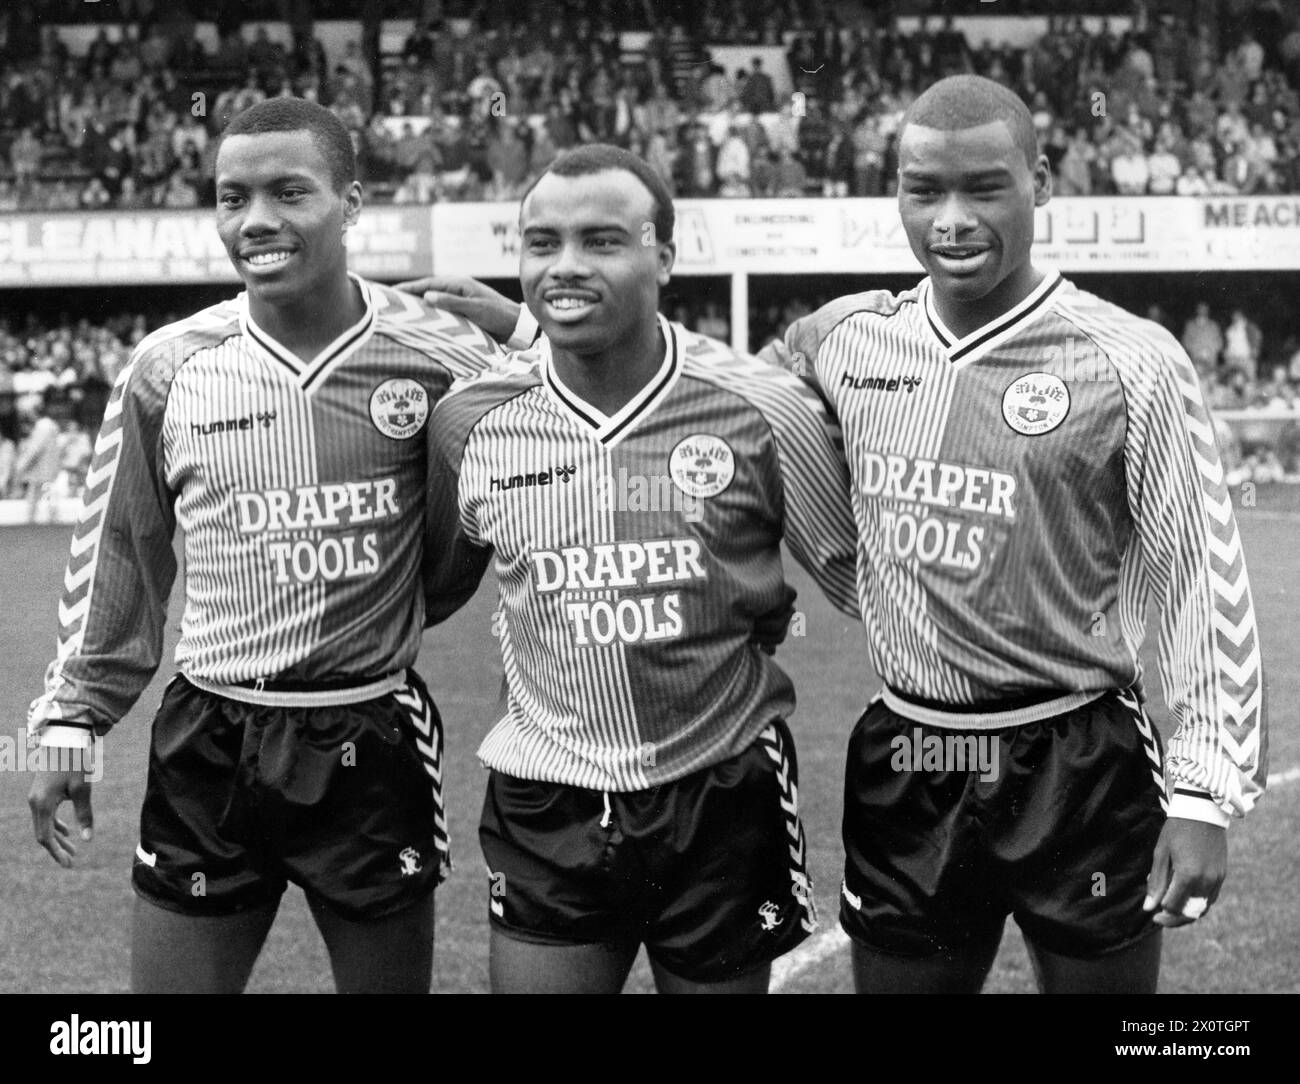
(66, 931)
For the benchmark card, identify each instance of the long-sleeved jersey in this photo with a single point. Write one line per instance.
(299, 487)
(638, 556)
(1020, 492)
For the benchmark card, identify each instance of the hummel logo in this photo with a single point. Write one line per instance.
(880, 383)
(541, 478)
(233, 425)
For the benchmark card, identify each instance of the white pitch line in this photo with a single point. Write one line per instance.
(824, 945)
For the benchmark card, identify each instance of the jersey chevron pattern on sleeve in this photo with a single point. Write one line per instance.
(638, 556)
(1189, 557)
(1019, 494)
(298, 485)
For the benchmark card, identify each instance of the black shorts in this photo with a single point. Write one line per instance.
(707, 871)
(1062, 838)
(344, 801)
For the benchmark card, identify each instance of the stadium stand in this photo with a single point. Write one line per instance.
(475, 103)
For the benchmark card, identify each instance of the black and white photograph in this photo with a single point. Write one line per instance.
(700, 496)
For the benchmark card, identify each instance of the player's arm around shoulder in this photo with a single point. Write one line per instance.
(455, 555)
(812, 476)
(508, 322)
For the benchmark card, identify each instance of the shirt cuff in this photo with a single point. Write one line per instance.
(1198, 807)
(66, 737)
(526, 330)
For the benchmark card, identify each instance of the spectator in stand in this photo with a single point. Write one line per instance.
(507, 156)
(1074, 171)
(37, 463)
(543, 151)
(1163, 169)
(718, 91)
(713, 323)
(869, 142)
(762, 174)
(1192, 182)
(190, 131)
(95, 197)
(791, 177)
(759, 95)
(1239, 173)
(733, 166)
(814, 142)
(839, 161)
(661, 156)
(9, 437)
(62, 197)
(25, 155)
(1203, 340)
(695, 167)
(130, 198)
(177, 194)
(1241, 345)
(1129, 173)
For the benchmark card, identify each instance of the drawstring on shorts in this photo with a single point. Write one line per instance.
(604, 821)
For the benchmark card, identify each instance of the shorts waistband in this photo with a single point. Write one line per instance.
(301, 694)
(956, 719)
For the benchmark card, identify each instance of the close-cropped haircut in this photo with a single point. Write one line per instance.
(601, 158)
(297, 115)
(967, 101)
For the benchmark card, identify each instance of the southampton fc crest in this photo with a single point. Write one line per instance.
(702, 466)
(1036, 403)
(399, 408)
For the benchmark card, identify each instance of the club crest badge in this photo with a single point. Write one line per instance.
(1036, 403)
(702, 466)
(399, 408)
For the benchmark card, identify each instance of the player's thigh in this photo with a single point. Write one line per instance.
(388, 955)
(1134, 969)
(516, 966)
(752, 982)
(957, 970)
(1081, 811)
(729, 864)
(175, 953)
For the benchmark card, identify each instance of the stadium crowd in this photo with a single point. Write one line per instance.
(474, 108)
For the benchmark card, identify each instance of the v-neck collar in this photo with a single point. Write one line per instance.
(310, 374)
(610, 429)
(969, 348)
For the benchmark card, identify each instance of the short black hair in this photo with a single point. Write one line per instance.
(296, 115)
(592, 158)
(967, 101)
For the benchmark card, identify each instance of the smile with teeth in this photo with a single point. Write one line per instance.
(267, 259)
(569, 304)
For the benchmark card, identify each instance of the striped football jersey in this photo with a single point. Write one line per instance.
(638, 556)
(1020, 492)
(299, 487)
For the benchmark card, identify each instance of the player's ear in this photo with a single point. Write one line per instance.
(1042, 181)
(352, 205)
(667, 257)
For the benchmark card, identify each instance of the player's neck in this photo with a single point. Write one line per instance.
(308, 324)
(962, 317)
(610, 379)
